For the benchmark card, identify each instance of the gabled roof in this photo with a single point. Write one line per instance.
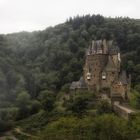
(82, 82)
(78, 84)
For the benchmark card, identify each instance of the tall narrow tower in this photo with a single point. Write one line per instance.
(96, 59)
(101, 64)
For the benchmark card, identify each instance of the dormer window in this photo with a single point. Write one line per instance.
(104, 75)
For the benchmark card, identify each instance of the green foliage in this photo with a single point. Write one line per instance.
(35, 122)
(137, 87)
(35, 106)
(7, 115)
(33, 64)
(81, 101)
(135, 99)
(23, 102)
(23, 99)
(65, 88)
(79, 105)
(53, 58)
(135, 126)
(111, 127)
(104, 107)
(5, 125)
(105, 127)
(47, 99)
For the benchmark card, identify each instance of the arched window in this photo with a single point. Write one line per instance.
(104, 75)
(88, 76)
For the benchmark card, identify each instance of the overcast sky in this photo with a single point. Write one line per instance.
(30, 15)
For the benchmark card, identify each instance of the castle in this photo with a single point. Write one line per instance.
(102, 70)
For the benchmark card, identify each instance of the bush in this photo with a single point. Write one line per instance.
(137, 87)
(80, 102)
(35, 106)
(105, 127)
(104, 107)
(47, 99)
(134, 97)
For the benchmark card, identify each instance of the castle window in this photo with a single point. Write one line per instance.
(88, 76)
(103, 75)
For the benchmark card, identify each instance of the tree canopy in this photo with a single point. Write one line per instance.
(36, 66)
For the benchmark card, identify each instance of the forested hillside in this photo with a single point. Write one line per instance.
(35, 67)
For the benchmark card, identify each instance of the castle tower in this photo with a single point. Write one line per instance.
(111, 72)
(102, 70)
(94, 64)
(105, 47)
(115, 53)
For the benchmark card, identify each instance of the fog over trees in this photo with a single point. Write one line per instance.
(37, 68)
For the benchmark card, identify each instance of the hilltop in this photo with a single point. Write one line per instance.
(36, 70)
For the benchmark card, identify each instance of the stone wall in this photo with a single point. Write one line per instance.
(94, 65)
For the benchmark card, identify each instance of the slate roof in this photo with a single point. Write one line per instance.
(81, 84)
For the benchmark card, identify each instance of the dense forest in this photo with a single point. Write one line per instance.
(37, 68)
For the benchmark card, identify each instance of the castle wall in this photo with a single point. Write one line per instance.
(110, 78)
(116, 61)
(94, 65)
(120, 89)
(102, 68)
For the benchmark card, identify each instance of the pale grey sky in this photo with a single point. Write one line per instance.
(30, 15)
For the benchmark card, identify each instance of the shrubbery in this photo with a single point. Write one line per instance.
(35, 66)
(105, 127)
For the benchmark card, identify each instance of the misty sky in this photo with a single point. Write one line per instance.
(30, 15)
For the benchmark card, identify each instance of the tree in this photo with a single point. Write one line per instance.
(110, 127)
(105, 127)
(35, 106)
(134, 99)
(23, 102)
(137, 87)
(47, 99)
(104, 107)
(78, 105)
